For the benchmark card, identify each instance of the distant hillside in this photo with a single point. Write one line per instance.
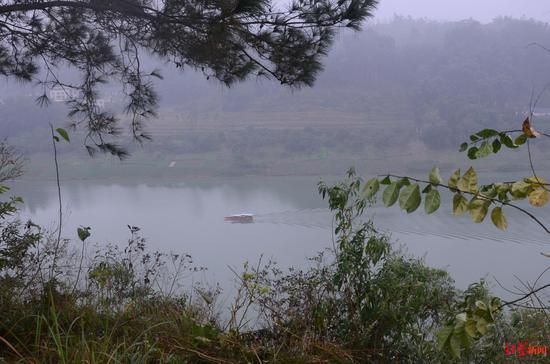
(407, 86)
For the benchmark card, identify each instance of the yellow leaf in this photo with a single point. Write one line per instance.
(528, 129)
(460, 204)
(478, 209)
(453, 180)
(468, 182)
(538, 197)
(536, 181)
(498, 218)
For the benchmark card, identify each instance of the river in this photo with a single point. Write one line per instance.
(292, 223)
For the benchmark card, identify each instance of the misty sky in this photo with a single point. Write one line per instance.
(482, 10)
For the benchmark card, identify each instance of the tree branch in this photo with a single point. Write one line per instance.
(24, 7)
(524, 296)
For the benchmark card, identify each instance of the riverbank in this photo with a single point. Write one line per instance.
(154, 167)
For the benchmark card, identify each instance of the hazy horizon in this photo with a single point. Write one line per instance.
(484, 11)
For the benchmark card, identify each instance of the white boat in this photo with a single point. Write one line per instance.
(240, 218)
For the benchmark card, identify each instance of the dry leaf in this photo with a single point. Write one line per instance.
(528, 129)
(538, 197)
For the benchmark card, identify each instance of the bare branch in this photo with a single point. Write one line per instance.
(11, 163)
(527, 295)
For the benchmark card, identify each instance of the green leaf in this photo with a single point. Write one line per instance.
(481, 326)
(391, 193)
(435, 177)
(521, 139)
(470, 327)
(496, 146)
(371, 188)
(489, 191)
(455, 346)
(487, 133)
(520, 189)
(463, 147)
(495, 304)
(461, 317)
(83, 233)
(502, 190)
(56, 138)
(460, 332)
(410, 198)
(481, 305)
(468, 182)
(484, 150)
(63, 134)
(386, 181)
(472, 152)
(474, 138)
(404, 182)
(507, 141)
(432, 201)
(460, 204)
(478, 209)
(443, 337)
(453, 180)
(498, 218)
(427, 189)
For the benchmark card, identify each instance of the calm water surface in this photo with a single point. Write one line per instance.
(292, 224)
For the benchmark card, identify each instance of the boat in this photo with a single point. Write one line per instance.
(240, 218)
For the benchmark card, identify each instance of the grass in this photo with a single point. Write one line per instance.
(153, 333)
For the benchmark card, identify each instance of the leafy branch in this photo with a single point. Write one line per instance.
(482, 197)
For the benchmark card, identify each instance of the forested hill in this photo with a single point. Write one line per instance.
(432, 82)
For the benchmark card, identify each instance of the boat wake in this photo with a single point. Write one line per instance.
(442, 225)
